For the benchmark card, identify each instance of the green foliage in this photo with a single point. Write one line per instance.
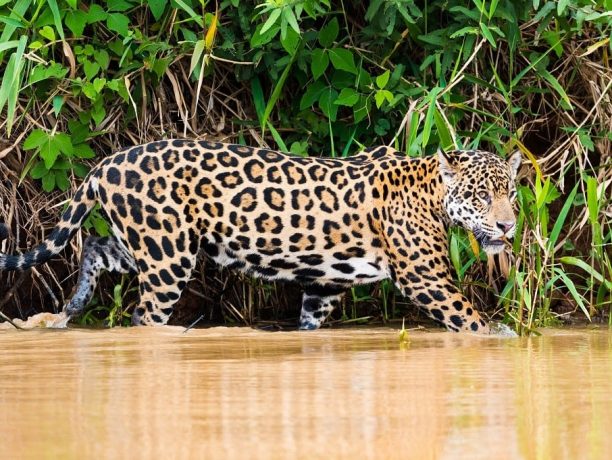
(318, 77)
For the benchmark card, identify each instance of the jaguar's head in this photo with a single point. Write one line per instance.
(480, 190)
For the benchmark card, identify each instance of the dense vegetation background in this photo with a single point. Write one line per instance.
(319, 77)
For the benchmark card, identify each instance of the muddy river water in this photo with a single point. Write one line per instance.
(342, 393)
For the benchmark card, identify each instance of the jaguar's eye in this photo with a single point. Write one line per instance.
(512, 196)
(485, 196)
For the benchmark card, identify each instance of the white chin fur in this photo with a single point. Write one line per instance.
(493, 249)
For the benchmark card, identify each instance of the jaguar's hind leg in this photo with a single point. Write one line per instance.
(160, 288)
(99, 254)
(317, 303)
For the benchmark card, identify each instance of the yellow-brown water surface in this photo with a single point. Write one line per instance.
(343, 393)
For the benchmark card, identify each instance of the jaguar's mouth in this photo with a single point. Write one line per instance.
(491, 245)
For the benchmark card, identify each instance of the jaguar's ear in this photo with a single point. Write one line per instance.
(447, 169)
(514, 161)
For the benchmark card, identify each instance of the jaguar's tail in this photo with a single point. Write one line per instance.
(72, 219)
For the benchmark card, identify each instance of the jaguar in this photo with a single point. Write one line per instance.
(325, 223)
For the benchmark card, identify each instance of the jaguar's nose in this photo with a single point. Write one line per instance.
(506, 226)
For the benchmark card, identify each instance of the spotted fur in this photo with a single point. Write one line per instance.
(326, 223)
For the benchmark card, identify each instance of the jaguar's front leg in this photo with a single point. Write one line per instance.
(317, 303)
(433, 290)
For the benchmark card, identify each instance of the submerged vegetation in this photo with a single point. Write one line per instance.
(320, 77)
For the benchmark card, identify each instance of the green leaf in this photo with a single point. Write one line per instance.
(48, 181)
(83, 151)
(361, 109)
(102, 58)
(326, 103)
(554, 234)
(39, 170)
(58, 102)
(557, 87)
(99, 83)
(118, 22)
(343, 59)
(348, 97)
(488, 35)
(96, 14)
(49, 153)
(383, 79)
(329, 33)
(57, 19)
(47, 32)
(64, 143)
(561, 6)
(274, 15)
(290, 17)
(312, 94)
(429, 117)
(61, 180)
(36, 138)
(157, 7)
(319, 63)
(291, 41)
(91, 69)
(76, 22)
(382, 95)
(196, 55)
(259, 39)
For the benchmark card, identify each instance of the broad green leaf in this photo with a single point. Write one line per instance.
(47, 32)
(312, 94)
(290, 17)
(91, 69)
(58, 103)
(118, 22)
(326, 103)
(157, 7)
(329, 33)
(383, 79)
(561, 6)
(274, 15)
(61, 180)
(49, 152)
(259, 39)
(36, 138)
(63, 142)
(48, 181)
(96, 14)
(83, 151)
(361, 109)
(347, 97)
(102, 58)
(343, 59)
(99, 83)
(38, 171)
(319, 63)
(76, 22)
(382, 95)
(291, 41)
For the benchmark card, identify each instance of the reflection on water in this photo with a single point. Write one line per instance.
(240, 393)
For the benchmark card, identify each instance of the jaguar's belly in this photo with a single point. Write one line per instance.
(322, 267)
